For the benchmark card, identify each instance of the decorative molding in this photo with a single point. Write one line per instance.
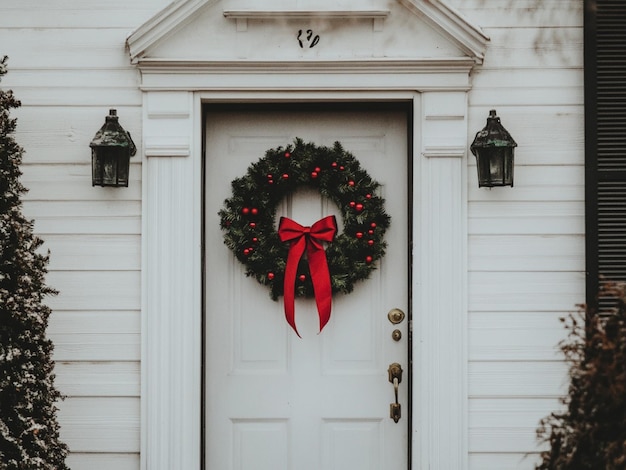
(171, 18)
(444, 75)
(444, 117)
(166, 147)
(171, 330)
(167, 105)
(168, 114)
(242, 16)
(469, 37)
(299, 14)
(380, 65)
(440, 295)
(444, 151)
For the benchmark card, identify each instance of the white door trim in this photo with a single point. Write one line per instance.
(172, 252)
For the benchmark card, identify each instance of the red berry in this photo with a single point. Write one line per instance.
(370, 242)
(255, 240)
(359, 234)
(270, 276)
(350, 183)
(334, 164)
(252, 224)
(269, 176)
(368, 196)
(245, 211)
(359, 207)
(254, 211)
(371, 232)
(287, 155)
(285, 176)
(368, 259)
(342, 168)
(318, 169)
(246, 252)
(302, 277)
(314, 174)
(373, 225)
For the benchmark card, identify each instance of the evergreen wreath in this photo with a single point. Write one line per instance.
(248, 216)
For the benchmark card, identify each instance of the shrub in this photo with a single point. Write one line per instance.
(590, 434)
(29, 432)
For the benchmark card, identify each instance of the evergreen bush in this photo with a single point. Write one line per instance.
(590, 433)
(29, 431)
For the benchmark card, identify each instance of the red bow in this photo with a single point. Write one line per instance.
(310, 238)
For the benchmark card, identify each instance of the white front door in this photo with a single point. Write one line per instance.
(275, 401)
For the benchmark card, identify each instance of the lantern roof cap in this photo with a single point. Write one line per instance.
(112, 134)
(492, 135)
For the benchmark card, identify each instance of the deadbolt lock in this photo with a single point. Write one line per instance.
(395, 316)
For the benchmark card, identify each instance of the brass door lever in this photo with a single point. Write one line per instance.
(395, 377)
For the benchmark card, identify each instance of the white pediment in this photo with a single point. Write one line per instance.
(300, 31)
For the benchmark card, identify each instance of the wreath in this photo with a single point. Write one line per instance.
(249, 225)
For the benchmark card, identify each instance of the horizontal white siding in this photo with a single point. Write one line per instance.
(73, 14)
(526, 244)
(104, 461)
(68, 66)
(101, 424)
(96, 336)
(514, 336)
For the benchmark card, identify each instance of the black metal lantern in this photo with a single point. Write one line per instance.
(494, 150)
(111, 149)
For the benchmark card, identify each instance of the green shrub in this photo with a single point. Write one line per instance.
(29, 432)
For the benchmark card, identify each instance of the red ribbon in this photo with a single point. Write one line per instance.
(309, 238)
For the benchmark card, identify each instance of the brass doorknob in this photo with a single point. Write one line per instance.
(395, 316)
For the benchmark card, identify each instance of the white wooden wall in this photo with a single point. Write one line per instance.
(526, 244)
(68, 66)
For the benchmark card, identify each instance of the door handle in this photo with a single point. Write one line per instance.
(395, 377)
(395, 316)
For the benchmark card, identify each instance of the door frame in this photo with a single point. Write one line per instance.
(172, 238)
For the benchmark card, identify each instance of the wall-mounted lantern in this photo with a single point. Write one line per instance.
(111, 149)
(494, 149)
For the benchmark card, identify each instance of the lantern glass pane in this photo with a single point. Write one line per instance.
(123, 163)
(110, 166)
(96, 168)
(495, 166)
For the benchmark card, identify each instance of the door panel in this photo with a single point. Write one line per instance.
(273, 400)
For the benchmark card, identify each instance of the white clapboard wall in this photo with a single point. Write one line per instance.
(68, 66)
(526, 244)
